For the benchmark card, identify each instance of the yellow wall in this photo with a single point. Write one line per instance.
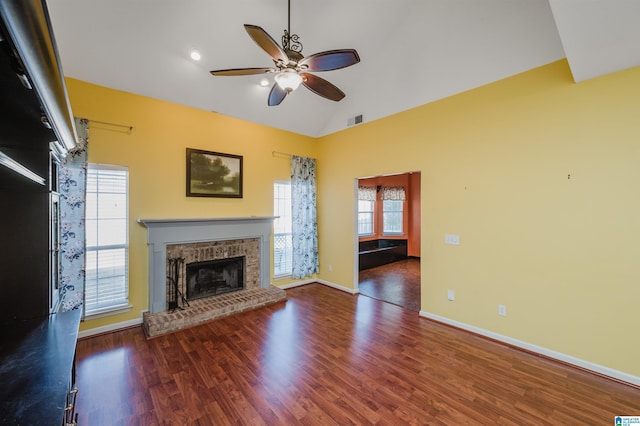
(155, 153)
(559, 252)
(539, 176)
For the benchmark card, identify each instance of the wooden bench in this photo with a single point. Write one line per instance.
(379, 252)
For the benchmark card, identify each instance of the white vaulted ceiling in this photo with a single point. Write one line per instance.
(412, 51)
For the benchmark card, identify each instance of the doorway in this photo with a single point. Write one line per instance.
(388, 238)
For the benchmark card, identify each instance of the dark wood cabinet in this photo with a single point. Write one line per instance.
(24, 255)
(25, 213)
(37, 361)
(37, 342)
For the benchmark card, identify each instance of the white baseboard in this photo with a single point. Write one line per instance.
(596, 368)
(109, 328)
(339, 287)
(323, 282)
(296, 284)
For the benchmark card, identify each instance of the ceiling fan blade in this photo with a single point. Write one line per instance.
(322, 87)
(243, 71)
(276, 95)
(331, 60)
(265, 41)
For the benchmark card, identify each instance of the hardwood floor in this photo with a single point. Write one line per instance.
(330, 358)
(397, 283)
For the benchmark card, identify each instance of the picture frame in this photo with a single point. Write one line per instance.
(213, 174)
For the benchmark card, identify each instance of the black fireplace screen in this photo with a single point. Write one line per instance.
(213, 277)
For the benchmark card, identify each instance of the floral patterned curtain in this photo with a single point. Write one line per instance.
(72, 179)
(367, 193)
(304, 228)
(395, 193)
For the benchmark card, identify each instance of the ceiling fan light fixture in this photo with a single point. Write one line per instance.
(288, 79)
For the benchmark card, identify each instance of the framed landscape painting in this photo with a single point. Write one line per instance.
(213, 174)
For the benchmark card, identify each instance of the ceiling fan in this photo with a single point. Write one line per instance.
(292, 67)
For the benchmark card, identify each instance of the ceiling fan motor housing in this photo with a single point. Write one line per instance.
(293, 55)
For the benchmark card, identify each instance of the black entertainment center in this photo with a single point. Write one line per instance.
(37, 340)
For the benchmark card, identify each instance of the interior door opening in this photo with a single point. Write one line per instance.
(388, 238)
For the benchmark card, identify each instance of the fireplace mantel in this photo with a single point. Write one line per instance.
(193, 230)
(206, 219)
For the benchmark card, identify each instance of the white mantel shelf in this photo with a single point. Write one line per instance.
(191, 230)
(152, 222)
(147, 222)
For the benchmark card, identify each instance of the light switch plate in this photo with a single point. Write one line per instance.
(452, 239)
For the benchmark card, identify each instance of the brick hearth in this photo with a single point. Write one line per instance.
(197, 240)
(203, 310)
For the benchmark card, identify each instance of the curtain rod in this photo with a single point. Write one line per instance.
(130, 128)
(280, 153)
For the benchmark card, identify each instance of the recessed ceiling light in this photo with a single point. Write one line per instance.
(264, 82)
(195, 55)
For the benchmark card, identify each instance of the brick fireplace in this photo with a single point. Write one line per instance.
(207, 248)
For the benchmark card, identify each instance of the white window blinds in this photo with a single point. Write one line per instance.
(107, 284)
(282, 239)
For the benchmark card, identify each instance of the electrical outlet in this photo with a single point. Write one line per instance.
(502, 310)
(451, 295)
(330, 268)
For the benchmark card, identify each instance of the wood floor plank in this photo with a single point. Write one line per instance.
(397, 283)
(329, 358)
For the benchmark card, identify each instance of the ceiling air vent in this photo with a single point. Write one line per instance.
(354, 120)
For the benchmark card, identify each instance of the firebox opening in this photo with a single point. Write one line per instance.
(213, 277)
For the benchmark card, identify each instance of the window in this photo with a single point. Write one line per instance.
(365, 217)
(107, 246)
(282, 242)
(367, 196)
(392, 216)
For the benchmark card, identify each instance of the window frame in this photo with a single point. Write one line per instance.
(401, 213)
(287, 271)
(123, 305)
(371, 213)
